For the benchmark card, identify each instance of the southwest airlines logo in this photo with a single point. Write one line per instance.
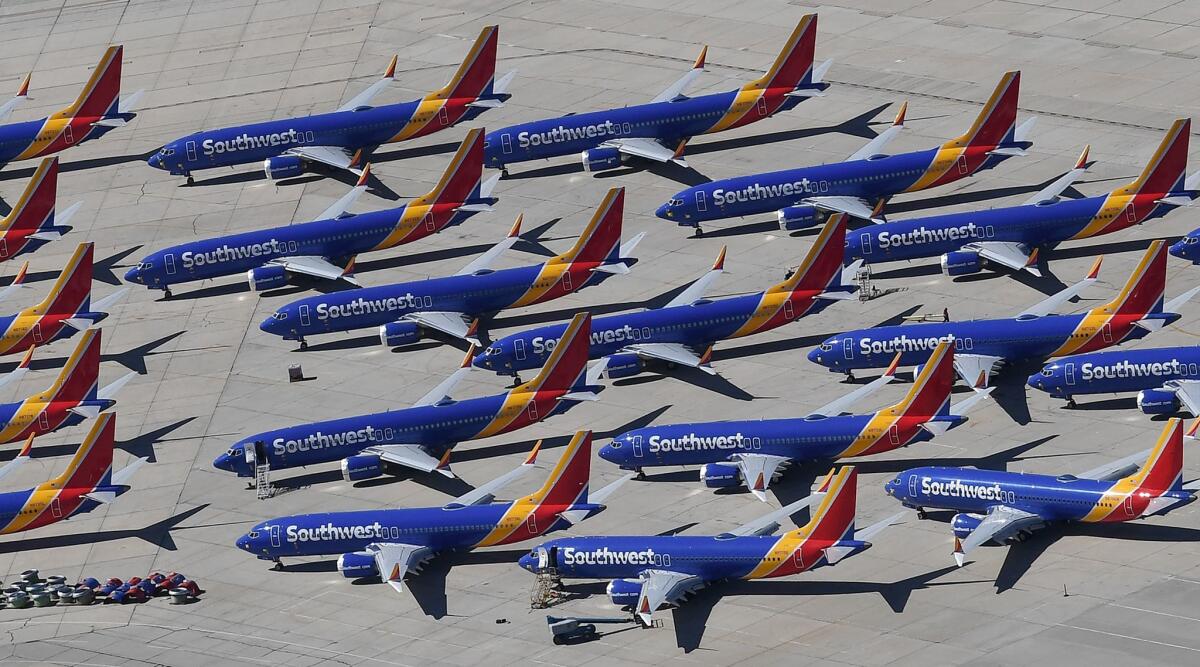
(922, 235)
(956, 489)
(228, 253)
(543, 345)
(329, 532)
(361, 306)
(563, 133)
(755, 192)
(1125, 369)
(320, 440)
(249, 141)
(606, 556)
(901, 343)
(692, 443)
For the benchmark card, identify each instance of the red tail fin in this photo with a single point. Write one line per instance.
(102, 93)
(930, 393)
(565, 367)
(998, 117)
(462, 175)
(477, 69)
(568, 481)
(35, 208)
(78, 377)
(601, 239)
(1163, 470)
(834, 517)
(1165, 171)
(92, 464)
(72, 290)
(822, 266)
(794, 63)
(1143, 292)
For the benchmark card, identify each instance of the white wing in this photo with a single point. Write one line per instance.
(840, 405)
(443, 390)
(699, 288)
(1188, 393)
(853, 206)
(645, 148)
(676, 89)
(19, 460)
(672, 352)
(1001, 522)
(451, 324)
(1051, 192)
(1009, 255)
(334, 156)
(659, 586)
(1047, 305)
(876, 145)
(1114, 470)
(485, 260)
(769, 523)
(313, 265)
(109, 391)
(757, 470)
(18, 282)
(364, 98)
(409, 456)
(485, 493)
(338, 208)
(7, 108)
(971, 366)
(394, 561)
(20, 371)
(835, 554)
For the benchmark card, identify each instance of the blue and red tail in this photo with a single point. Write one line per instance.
(101, 96)
(600, 242)
(821, 269)
(72, 291)
(34, 210)
(996, 123)
(929, 396)
(1164, 174)
(91, 466)
(793, 67)
(565, 369)
(833, 519)
(1163, 470)
(77, 381)
(1143, 292)
(462, 178)
(567, 484)
(475, 75)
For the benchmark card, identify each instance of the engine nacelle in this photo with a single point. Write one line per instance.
(964, 524)
(624, 592)
(624, 365)
(601, 159)
(720, 475)
(395, 334)
(1157, 402)
(792, 218)
(360, 467)
(961, 263)
(283, 166)
(356, 565)
(267, 277)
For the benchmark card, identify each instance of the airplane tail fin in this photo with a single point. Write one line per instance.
(474, 76)
(600, 241)
(462, 180)
(996, 124)
(567, 484)
(72, 290)
(34, 211)
(822, 266)
(91, 466)
(77, 381)
(564, 370)
(929, 395)
(100, 98)
(1164, 174)
(1143, 291)
(1163, 470)
(833, 519)
(793, 67)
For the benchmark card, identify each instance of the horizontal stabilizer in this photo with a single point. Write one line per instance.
(616, 268)
(122, 476)
(48, 235)
(488, 103)
(580, 396)
(109, 392)
(78, 323)
(130, 102)
(595, 372)
(102, 497)
(110, 122)
(102, 305)
(474, 208)
(86, 411)
(1150, 325)
(63, 217)
(837, 296)
(1175, 304)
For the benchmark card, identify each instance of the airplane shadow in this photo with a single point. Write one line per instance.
(1126, 403)
(428, 586)
(134, 359)
(799, 342)
(102, 270)
(995, 461)
(80, 165)
(138, 446)
(158, 534)
(1010, 389)
(693, 376)
(974, 196)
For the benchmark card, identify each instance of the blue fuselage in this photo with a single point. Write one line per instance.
(18, 138)
(1117, 371)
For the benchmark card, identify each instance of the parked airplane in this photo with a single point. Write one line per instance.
(659, 129)
(1011, 236)
(862, 184)
(33, 222)
(326, 248)
(66, 310)
(422, 436)
(87, 483)
(753, 453)
(345, 137)
(1033, 334)
(72, 397)
(1001, 506)
(1167, 379)
(649, 571)
(684, 331)
(404, 312)
(97, 110)
(394, 543)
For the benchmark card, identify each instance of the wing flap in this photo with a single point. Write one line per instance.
(659, 586)
(409, 456)
(1050, 303)
(451, 324)
(1000, 523)
(315, 266)
(1009, 255)
(757, 470)
(334, 156)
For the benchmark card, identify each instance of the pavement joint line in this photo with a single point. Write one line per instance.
(1152, 611)
(1121, 636)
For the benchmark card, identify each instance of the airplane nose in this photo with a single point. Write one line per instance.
(664, 212)
(133, 275)
(155, 161)
(608, 453)
(815, 356)
(481, 361)
(528, 562)
(243, 543)
(1035, 381)
(223, 462)
(268, 325)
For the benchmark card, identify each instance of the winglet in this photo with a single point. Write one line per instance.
(824, 487)
(532, 458)
(466, 362)
(443, 465)
(1094, 272)
(705, 358)
(899, 121)
(891, 370)
(473, 330)
(23, 91)
(28, 446)
(699, 64)
(391, 68)
(981, 381)
(1033, 258)
(718, 265)
(877, 211)
(26, 359)
(678, 154)
(366, 173)
(1082, 162)
(349, 270)
(1191, 432)
(357, 159)
(959, 556)
(516, 228)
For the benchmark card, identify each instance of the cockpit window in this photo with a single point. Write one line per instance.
(1189, 240)
(825, 347)
(145, 265)
(1047, 372)
(615, 444)
(280, 315)
(492, 351)
(674, 202)
(253, 534)
(234, 451)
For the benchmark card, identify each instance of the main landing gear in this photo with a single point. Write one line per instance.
(641, 474)
(166, 292)
(698, 233)
(303, 344)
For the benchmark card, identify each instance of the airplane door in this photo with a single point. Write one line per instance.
(788, 312)
(519, 348)
(4, 248)
(304, 318)
(1129, 506)
(506, 143)
(894, 434)
(912, 486)
(443, 117)
(56, 508)
(1070, 372)
(865, 242)
(1106, 331)
(191, 151)
(69, 134)
(637, 445)
(532, 410)
(701, 201)
(762, 106)
(37, 332)
(169, 261)
(848, 348)
(962, 165)
(1131, 212)
(429, 223)
(798, 557)
(44, 420)
(531, 523)
(274, 536)
(566, 280)
(543, 556)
